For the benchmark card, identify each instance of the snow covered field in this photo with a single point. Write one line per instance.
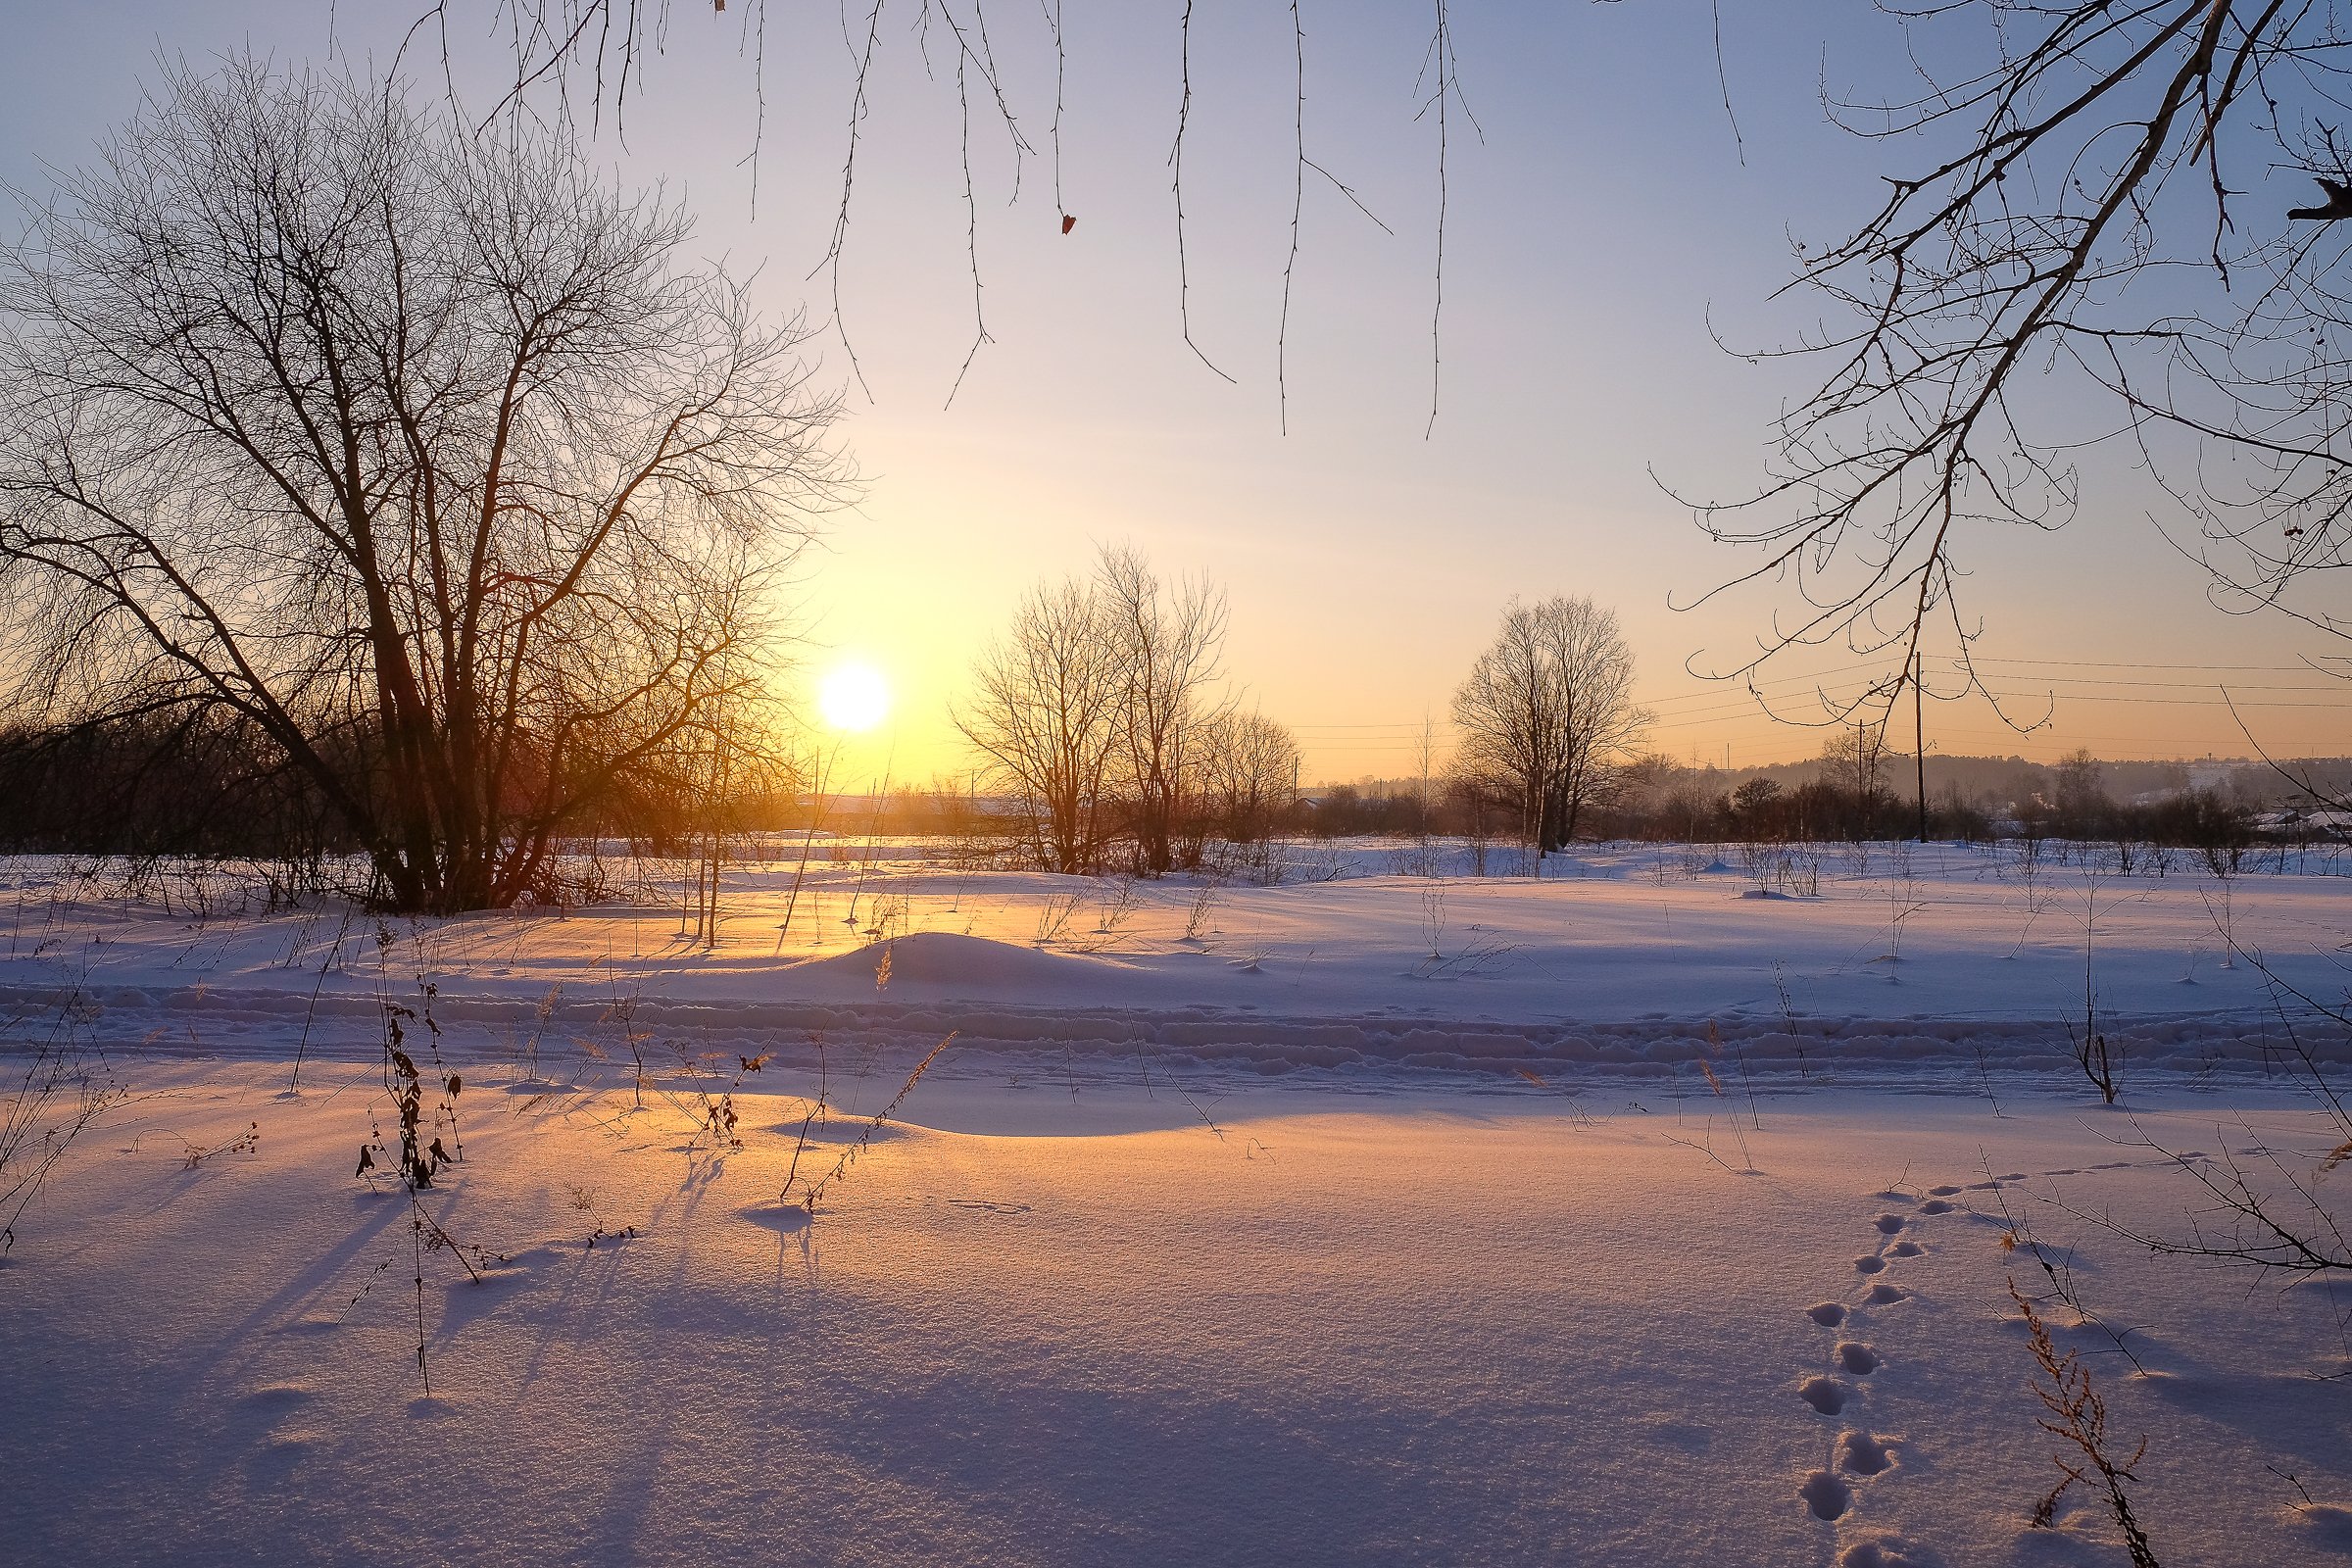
(1642, 1223)
(1615, 964)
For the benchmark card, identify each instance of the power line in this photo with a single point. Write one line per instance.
(2093, 664)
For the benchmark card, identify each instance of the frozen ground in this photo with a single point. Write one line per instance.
(1233, 1227)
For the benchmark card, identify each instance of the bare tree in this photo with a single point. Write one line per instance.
(730, 764)
(417, 449)
(1251, 769)
(1166, 640)
(1425, 772)
(1045, 713)
(1998, 315)
(1855, 758)
(2082, 803)
(1547, 714)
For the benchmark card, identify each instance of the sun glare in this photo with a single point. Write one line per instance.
(853, 697)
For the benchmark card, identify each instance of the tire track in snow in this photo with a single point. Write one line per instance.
(573, 1011)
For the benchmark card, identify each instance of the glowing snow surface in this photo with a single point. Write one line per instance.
(1425, 1329)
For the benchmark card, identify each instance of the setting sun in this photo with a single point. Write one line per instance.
(853, 697)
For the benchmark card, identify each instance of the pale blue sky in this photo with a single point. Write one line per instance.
(1605, 218)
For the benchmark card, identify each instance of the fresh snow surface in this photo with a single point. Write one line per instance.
(1417, 1327)
(1608, 1218)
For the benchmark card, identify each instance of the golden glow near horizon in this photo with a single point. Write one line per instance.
(853, 697)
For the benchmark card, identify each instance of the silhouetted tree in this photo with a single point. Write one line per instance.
(1546, 712)
(1165, 643)
(2080, 808)
(1853, 761)
(1045, 710)
(1252, 773)
(417, 449)
(1754, 805)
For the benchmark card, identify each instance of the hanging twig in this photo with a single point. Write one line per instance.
(1282, 333)
(1183, 114)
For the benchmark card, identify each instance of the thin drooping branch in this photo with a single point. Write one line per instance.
(1987, 308)
(1289, 265)
(600, 50)
(830, 264)
(1440, 59)
(1183, 120)
(972, 237)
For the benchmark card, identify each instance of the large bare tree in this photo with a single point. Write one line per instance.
(1853, 759)
(418, 449)
(1547, 714)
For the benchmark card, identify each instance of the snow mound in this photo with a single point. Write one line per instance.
(947, 958)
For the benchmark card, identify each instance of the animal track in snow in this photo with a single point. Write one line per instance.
(280, 1395)
(1828, 1496)
(1941, 1192)
(1865, 1453)
(1857, 1455)
(1827, 1395)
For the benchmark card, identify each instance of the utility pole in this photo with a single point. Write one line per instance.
(1918, 722)
(1865, 766)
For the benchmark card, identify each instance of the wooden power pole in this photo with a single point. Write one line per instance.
(1919, 724)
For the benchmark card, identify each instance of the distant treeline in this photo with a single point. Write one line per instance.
(1858, 791)
(205, 782)
(210, 786)
(1840, 797)
(200, 784)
